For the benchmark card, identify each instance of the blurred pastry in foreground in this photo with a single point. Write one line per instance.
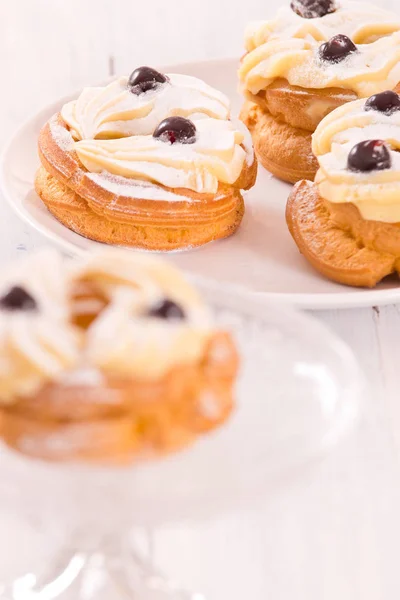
(347, 223)
(152, 161)
(315, 56)
(113, 359)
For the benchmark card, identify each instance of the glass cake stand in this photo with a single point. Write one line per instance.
(298, 393)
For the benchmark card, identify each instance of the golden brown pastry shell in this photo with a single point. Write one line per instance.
(94, 212)
(338, 242)
(283, 150)
(299, 107)
(123, 419)
(282, 119)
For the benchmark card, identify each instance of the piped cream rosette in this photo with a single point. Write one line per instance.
(39, 341)
(108, 360)
(375, 193)
(287, 47)
(373, 68)
(158, 164)
(114, 111)
(216, 156)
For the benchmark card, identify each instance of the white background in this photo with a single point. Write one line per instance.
(334, 533)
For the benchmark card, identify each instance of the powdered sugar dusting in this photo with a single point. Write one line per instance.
(376, 192)
(60, 134)
(296, 41)
(83, 377)
(129, 188)
(247, 141)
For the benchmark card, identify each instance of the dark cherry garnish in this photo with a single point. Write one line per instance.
(176, 129)
(312, 9)
(337, 49)
(17, 299)
(385, 102)
(372, 155)
(144, 79)
(167, 309)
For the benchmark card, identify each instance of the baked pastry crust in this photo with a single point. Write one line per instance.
(283, 150)
(282, 119)
(91, 210)
(123, 420)
(288, 72)
(338, 242)
(104, 372)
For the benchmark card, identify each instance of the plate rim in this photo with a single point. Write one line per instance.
(305, 300)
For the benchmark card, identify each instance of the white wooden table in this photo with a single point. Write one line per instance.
(333, 534)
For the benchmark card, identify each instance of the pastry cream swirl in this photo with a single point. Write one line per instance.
(114, 111)
(287, 47)
(216, 156)
(124, 340)
(376, 193)
(112, 128)
(41, 346)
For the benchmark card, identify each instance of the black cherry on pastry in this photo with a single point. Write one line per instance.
(176, 129)
(385, 102)
(17, 299)
(312, 9)
(371, 155)
(144, 79)
(168, 310)
(337, 49)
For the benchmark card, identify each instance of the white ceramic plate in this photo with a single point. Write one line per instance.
(261, 258)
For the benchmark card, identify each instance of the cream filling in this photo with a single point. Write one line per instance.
(377, 193)
(123, 340)
(113, 111)
(216, 156)
(373, 68)
(287, 47)
(44, 346)
(36, 346)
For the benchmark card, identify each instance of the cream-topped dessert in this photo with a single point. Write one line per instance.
(289, 47)
(149, 319)
(148, 138)
(214, 150)
(357, 147)
(315, 56)
(119, 345)
(116, 111)
(37, 341)
(346, 223)
(215, 155)
(319, 21)
(339, 63)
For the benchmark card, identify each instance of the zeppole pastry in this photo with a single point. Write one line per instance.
(347, 223)
(110, 360)
(312, 58)
(151, 161)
